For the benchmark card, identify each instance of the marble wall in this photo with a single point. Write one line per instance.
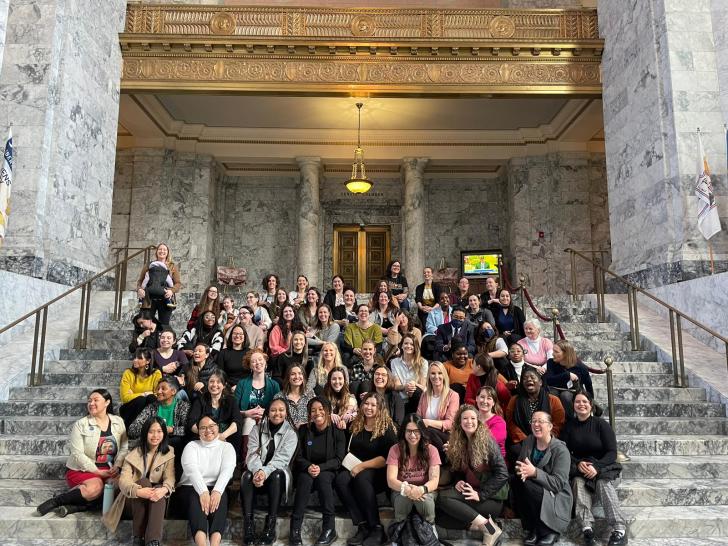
(59, 86)
(661, 82)
(554, 202)
(463, 214)
(704, 299)
(168, 196)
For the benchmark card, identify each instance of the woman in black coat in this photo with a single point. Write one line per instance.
(509, 319)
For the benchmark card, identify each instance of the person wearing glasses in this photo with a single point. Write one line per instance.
(542, 493)
(207, 467)
(255, 334)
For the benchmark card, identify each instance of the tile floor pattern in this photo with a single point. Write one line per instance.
(674, 488)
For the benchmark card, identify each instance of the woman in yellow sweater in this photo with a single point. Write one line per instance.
(138, 384)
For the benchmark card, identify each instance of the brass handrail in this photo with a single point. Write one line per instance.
(675, 315)
(41, 313)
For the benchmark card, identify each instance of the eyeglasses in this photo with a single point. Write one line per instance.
(412, 432)
(209, 427)
(540, 421)
(380, 375)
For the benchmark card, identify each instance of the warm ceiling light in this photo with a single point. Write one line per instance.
(358, 183)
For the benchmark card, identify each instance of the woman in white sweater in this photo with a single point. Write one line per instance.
(207, 467)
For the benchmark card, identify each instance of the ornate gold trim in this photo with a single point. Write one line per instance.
(302, 50)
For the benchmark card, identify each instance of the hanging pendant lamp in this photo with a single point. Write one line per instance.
(359, 183)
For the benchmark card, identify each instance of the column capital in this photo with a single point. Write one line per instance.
(416, 164)
(309, 162)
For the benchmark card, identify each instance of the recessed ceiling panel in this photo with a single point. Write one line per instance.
(434, 114)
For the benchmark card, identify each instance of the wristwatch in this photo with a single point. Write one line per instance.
(425, 488)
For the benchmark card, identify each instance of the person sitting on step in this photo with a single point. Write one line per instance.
(459, 368)
(207, 468)
(438, 406)
(594, 470)
(146, 331)
(480, 475)
(137, 386)
(537, 349)
(322, 448)
(147, 480)
(216, 400)
(206, 331)
(272, 445)
(98, 446)
(542, 493)
(566, 375)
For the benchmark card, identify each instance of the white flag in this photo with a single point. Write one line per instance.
(708, 219)
(6, 182)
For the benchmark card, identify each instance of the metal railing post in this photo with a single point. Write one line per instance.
(41, 353)
(31, 379)
(521, 285)
(631, 319)
(637, 344)
(573, 276)
(85, 318)
(555, 320)
(675, 371)
(81, 314)
(608, 361)
(683, 380)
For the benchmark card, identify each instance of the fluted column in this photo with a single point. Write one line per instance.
(413, 169)
(309, 215)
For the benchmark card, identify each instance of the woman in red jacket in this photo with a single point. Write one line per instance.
(485, 374)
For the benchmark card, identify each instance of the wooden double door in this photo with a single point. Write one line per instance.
(361, 254)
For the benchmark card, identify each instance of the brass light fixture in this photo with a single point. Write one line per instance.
(359, 183)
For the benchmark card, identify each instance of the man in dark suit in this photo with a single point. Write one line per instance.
(457, 328)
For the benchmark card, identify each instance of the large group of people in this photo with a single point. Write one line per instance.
(460, 412)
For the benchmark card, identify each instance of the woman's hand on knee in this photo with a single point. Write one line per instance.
(215, 497)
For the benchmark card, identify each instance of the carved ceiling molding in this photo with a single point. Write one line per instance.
(397, 51)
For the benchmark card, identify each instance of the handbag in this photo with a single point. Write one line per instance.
(350, 460)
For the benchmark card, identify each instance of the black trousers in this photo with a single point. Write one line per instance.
(454, 512)
(324, 486)
(178, 443)
(527, 498)
(213, 523)
(159, 308)
(460, 389)
(359, 494)
(131, 410)
(410, 405)
(274, 486)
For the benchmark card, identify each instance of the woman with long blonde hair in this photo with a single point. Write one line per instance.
(410, 372)
(481, 478)
(329, 359)
(343, 403)
(438, 406)
(372, 435)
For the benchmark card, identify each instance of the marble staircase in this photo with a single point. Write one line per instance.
(674, 487)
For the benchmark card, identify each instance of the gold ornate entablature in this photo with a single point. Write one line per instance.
(329, 50)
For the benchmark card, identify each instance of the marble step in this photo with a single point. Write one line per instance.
(674, 425)
(673, 492)
(18, 444)
(49, 408)
(626, 380)
(673, 445)
(627, 366)
(644, 522)
(87, 366)
(667, 409)
(642, 393)
(37, 425)
(32, 467)
(20, 492)
(676, 467)
(575, 328)
(61, 393)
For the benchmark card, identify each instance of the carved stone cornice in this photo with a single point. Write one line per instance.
(215, 48)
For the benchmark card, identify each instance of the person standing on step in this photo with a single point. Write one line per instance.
(321, 448)
(147, 480)
(272, 445)
(159, 297)
(372, 435)
(542, 492)
(481, 478)
(137, 387)
(594, 470)
(207, 468)
(98, 446)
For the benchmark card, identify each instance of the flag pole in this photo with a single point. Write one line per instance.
(710, 250)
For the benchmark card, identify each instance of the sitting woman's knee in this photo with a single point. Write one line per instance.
(92, 489)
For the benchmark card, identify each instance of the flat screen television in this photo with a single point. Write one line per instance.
(480, 263)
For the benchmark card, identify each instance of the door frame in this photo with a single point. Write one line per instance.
(361, 249)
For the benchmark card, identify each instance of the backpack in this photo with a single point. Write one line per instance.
(414, 531)
(157, 281)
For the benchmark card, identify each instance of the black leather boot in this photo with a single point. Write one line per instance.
(249, 531)
(294, 535)
(269, 531)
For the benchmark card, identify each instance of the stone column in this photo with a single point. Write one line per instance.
(309, 216)
(661, 80)
(413, 212)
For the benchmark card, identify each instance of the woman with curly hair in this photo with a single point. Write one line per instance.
(329, 359)
(343, 403)
(481, 478)
(413, 471)
(270, 283)
(372, 435)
